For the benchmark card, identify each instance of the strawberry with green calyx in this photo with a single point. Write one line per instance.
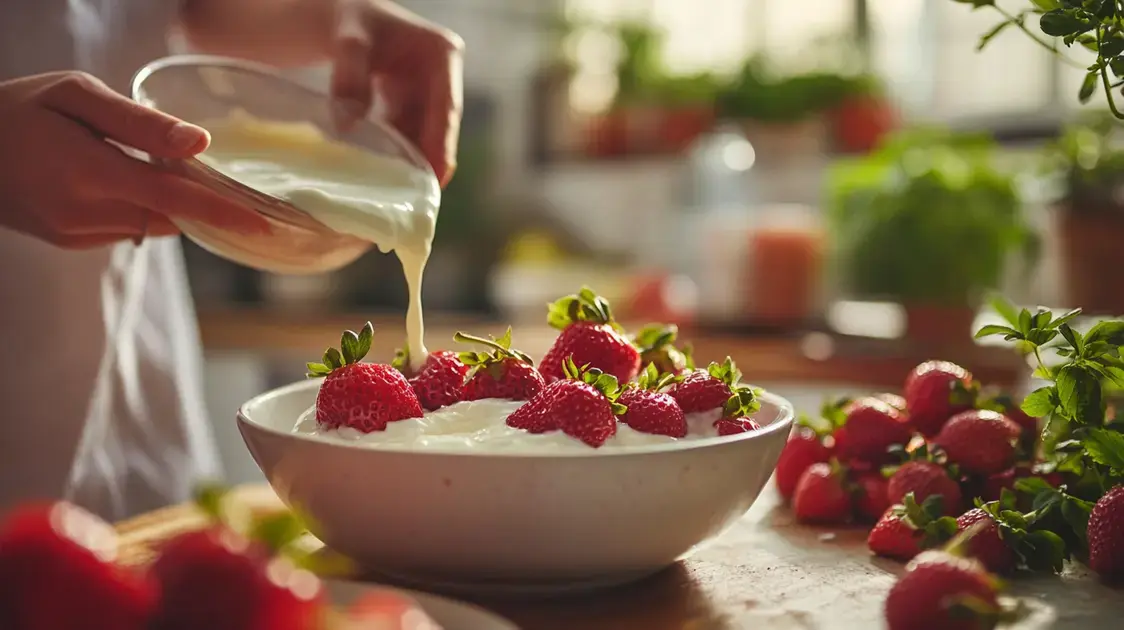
(908, 528)
(656, 343)
(591, 336)
(584, 405)
(869, 428)
(924, 476)
(253, 578)
(650, 409)
(944, 589)
(717, 387)
(358, 395)
(502, 373)
(1008, 538)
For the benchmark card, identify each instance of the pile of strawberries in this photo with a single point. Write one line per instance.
(589, 382)
(937, 466)
(57, 572)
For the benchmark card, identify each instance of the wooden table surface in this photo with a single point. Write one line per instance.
(766, 572)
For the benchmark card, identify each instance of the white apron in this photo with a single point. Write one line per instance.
(100, 397)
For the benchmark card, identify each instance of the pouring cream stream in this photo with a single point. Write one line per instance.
(378, 198)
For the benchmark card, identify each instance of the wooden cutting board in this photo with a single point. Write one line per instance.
(766, 572)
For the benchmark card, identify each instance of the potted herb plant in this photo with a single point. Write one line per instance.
(926, 221)
(1090, 213)
(629, 125)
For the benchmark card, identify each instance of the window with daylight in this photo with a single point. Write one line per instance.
(926, 50)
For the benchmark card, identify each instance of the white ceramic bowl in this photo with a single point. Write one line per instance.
(486, 522)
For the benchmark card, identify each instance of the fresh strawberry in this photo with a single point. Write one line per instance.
(934, 392)
(362, 396)
(871, 500)
(656, 343)
(532, 416)
(821, 496)
(803, 449)
(1009, 407)
(979, 441)
(252, 578)
(994, 485)
(718, 386)
(894, 400)
(734, 426)
(940, 591)
(57, 573)
(988, 544)
(584, 405)
(871, 428)
(651, 410)
(924, 479)
(591, 336)
(907, 529)
(1106, 536)
(440, 382)
(502, 373)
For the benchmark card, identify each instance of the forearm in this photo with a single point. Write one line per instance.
(278, 32)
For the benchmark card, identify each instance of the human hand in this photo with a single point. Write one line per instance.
(417, 67)
(64, 183)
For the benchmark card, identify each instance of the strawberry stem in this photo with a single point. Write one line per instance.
(353, 347)
(501, 349)
(584, 306)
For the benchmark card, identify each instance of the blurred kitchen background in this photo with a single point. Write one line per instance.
(823, 189)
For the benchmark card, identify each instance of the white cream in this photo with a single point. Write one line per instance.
(480, 426)
(381, 199)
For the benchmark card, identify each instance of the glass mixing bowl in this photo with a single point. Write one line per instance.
(200, 88)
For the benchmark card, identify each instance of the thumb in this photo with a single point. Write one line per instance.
(90, 102)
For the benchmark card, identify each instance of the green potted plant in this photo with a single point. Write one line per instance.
(1090, 212)
(629, 125)
(926, 221)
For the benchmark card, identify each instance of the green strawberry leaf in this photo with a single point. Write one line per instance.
(655, 336)
(401, 360)
(1041, 402)
(583, 306)
(353, 347)
(1106, 447)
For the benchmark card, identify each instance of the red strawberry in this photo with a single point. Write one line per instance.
(995, 484)
(591, 336)
(651, 410)
(440, 382)
(934, 392)
(940, 591)
(907, 529)
(987, 545)
(924, 479)
(363, 396)
(532, 416)
(821, 496)
(734, 426)
(217, 579)
(803, 449)
(872, 427)
(979, 441)
(584, 405)
(656, 343)
(870, 496)
(1028, 425)
(1106, 535)
(718, 386)
(56, 573)
(502, 373)
(894, 400)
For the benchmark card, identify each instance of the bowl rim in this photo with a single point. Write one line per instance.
(786, 416)
(201, 61)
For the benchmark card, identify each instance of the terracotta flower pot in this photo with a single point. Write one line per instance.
(787, 143)
(680, 126)
(860, 123)
(1091, 249)
(939, 325)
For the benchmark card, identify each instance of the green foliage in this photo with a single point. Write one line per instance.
(926, 219)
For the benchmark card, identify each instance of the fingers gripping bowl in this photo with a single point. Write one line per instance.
(507, 520)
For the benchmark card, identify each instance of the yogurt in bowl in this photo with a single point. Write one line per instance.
(525, 514)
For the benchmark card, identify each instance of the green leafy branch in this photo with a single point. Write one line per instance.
(1097, 25)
